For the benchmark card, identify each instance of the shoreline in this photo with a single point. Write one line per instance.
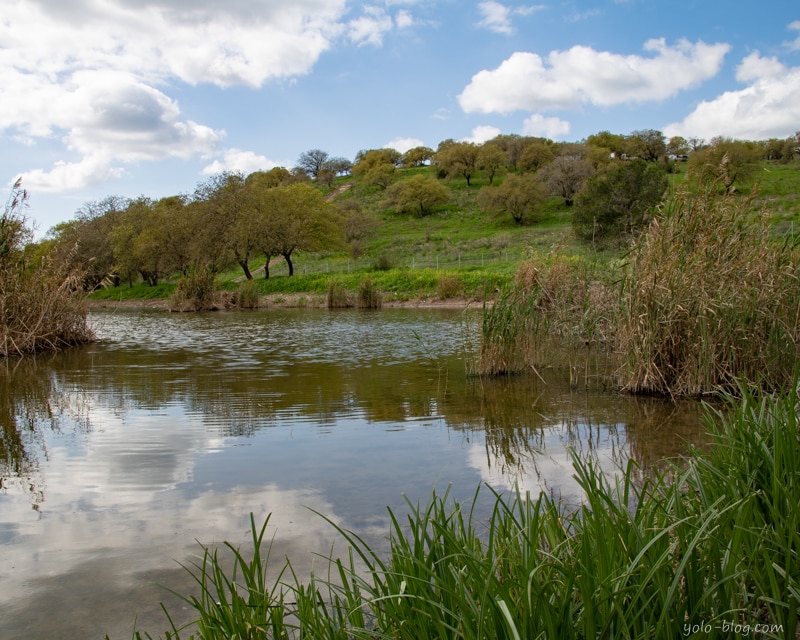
(293, 301)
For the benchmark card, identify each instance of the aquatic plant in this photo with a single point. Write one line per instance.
(711, 544)
(195, 292)
(247, 295)
(41, 304)
(368, 295)
(709, 298)
(337, 297)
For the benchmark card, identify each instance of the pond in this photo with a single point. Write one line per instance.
(119, 457)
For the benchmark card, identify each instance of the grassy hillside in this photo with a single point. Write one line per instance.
(408, 256)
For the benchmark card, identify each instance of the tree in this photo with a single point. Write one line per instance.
(534, 156)
(732, 162)
(565, 176)
(492, 159)
(459, 158)
(138, 248)
(418, 194)
(615, 143)
(312, 161)
(296, 218)
(417, 156)
(518, 196)
(678, 146)
(647, 144)
(613, 206)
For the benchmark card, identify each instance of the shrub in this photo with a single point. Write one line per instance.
(382, 263)
(449, 287)
(368, 295)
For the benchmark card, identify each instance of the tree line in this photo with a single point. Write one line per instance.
(610, 182)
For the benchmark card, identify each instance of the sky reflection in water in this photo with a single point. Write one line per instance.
(173, 428)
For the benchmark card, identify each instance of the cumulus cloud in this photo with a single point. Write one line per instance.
(497, 17)
(483, 133)
(582, 75)
(538, 125)
(768, 107)
(94, 76)
(404, 144)
(239, 160)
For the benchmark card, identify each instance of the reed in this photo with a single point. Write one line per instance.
(709, 299)
(337, 296)
(247, 295)
(368, 295)
(711, 544)
(567, 298)
(196, 292)
(41, 304)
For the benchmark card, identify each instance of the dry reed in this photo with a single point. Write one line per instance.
(41, 305)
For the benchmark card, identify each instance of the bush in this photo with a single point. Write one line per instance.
(382, 263)
(449, 287)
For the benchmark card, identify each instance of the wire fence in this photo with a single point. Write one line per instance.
(412, 262)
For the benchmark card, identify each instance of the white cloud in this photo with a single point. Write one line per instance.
(483, 133)
(768, 107)
(582, 75)
(404, 20)
(538, 125)
(370, 28)
(795, 44)
(404, 144)
(497, 17)
(239, 160)
(93, 76)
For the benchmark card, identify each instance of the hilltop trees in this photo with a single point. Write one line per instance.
(458, 158)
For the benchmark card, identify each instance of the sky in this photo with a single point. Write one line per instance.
(150, 97)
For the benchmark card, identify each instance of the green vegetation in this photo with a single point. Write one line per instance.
(704, 298)
(711, 546)
(41, 307)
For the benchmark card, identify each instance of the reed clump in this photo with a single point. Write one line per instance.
(713, 543)
(247, 295)
(196, 292)
(369, 297)
(709, 299)
(41, 304)
(558, 296)
(338, 297)
(449, 286)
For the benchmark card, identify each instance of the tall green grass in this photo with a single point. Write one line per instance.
(710, 546)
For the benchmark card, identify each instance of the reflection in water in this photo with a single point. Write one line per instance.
(175, 427)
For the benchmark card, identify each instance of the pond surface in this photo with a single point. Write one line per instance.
(117, 458)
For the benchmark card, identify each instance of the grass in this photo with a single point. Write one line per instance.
(711, 544)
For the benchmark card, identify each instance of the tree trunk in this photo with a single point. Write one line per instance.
(246, 269)
(288, 258)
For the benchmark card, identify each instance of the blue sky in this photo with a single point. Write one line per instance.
(149, 97)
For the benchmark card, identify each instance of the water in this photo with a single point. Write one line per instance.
(120, 456)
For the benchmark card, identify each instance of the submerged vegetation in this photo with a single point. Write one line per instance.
(711, 545)
(41, 304)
